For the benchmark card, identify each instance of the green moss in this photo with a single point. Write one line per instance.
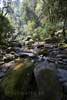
(16, 83)
(62, 45)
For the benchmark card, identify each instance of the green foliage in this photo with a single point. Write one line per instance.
(47, 16)
(6, 30)
(38, 18)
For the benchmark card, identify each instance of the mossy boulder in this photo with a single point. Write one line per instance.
(19, 82)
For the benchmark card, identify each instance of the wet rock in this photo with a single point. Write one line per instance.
(62, 77)
(49, 45)
(2, 74)
(16, 55)
(18, 50)
(8, 65)
(51, 60)
(63, 51)
(1, 57)
(29, 42)
(5, 67)
(4, 70)
(45, 75)
(12, 52)
(42, 52)
(65, 60)
(61, 62)
(61, 56)
(9, 49)
(8, 57)
(62, 74)
(62, 48)
(53, 53)
(65, 89)
(27, 54)
(39, 45)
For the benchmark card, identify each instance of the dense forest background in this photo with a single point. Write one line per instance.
(36, 18)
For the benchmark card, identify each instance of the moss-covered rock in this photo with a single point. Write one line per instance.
(19, 82)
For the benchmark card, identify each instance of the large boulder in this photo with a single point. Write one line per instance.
(45, 75)
(62, 77)
(20, 82)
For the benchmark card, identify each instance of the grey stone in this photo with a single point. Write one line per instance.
(62, 74)
(45, 75)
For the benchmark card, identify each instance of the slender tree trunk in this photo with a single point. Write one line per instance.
(64, 33)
